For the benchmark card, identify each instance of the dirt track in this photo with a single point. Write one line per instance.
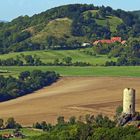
(70, 96)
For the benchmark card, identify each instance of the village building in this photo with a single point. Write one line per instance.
(86, 44)
(110, 41)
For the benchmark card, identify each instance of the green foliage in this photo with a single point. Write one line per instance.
(131, 54)
(26, 83)
(137, 13)
(11, 124)
(92, 128)
(72, 120)
(60, 120)
(22, 60)
(128, 54)
(43, 125)
(104, 121)
(67, 60)
(99, 128)
(117, 133)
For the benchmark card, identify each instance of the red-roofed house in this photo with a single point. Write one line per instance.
(116, 39)
(112, 40)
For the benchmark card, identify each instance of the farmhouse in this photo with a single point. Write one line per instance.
(110, 41)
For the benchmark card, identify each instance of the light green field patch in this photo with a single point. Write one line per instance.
(112, 21)
(57, 28)
(91, 11)
(126, 71)
(76, 55)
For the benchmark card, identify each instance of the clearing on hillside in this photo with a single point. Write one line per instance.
(70, 96)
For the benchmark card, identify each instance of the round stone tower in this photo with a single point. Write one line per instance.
(129, 101)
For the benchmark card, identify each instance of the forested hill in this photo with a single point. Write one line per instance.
(66, 27)
(137, 13)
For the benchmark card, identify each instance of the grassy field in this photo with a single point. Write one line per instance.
(112, 21)
(59, 28)
(28, 132)
(129, 71)
(51, 55)
(53, 28)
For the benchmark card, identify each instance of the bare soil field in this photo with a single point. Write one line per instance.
(71, 96)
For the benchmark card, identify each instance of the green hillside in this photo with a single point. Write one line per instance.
(137, 13)
(53, 28)
(112, 21)
(66, 27)
(58, 28)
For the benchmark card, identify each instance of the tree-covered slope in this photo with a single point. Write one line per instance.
(137, 13)
(66, 27)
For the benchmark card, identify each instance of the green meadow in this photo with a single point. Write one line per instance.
(48, 56)
(128, 71)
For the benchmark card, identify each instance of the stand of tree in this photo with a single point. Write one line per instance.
(90, 128)
(29, 60)
(67, 61)
(26, 83)
(127, 55)
(22, 60)
(9, 124)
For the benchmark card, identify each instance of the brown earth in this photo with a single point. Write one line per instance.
(70, 96)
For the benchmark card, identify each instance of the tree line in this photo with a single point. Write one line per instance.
(22, 60)
(34, 60)
(90, 128)
(27, 82)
